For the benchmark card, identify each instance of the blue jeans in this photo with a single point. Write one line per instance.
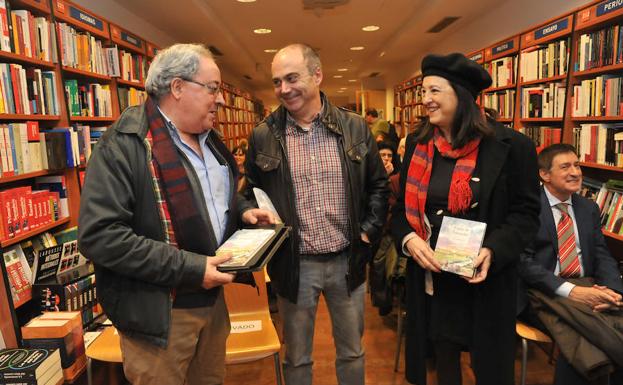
(324, 275)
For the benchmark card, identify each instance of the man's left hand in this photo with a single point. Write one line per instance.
(364, 238)
(258, 217)
(482, 264)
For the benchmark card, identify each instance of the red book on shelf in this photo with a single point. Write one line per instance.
(24, 218)
(7, 215)
(15, 80)
(556, 135)
(32, 128)
(15, 213)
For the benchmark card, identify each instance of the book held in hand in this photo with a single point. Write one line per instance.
(252, 248)
(458, 245)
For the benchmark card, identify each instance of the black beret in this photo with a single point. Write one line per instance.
(456, 68)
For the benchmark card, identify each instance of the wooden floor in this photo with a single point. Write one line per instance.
(380, 344)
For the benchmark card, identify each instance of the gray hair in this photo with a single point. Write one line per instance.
(176, 61)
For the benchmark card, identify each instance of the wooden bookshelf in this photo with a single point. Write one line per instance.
(601, 166)
(128, 83)
(88, 74)
(4, 117)
(501, 61)
(22, 59)
(108, 35)
(566, 32)
(32, 233)
(30, 175)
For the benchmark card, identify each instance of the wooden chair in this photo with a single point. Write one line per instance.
(107, 348)
(253, 335)
(528, 333)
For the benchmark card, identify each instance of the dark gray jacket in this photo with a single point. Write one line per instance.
(120, 230)
(366, 180)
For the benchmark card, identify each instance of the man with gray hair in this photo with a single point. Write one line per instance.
(158, 200)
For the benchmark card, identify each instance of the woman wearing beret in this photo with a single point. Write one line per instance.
(463, 164)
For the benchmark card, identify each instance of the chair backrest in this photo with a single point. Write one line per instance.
(244, 300)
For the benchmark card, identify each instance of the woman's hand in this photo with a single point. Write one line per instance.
(422, 254)
(482, 264)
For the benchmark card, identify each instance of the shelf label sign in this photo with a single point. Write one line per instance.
(558, 26)
(609, 6)
(476, 57)
(506, 46)
(83, 17)
(131, 40)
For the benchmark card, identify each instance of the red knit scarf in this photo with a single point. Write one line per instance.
(418, 178)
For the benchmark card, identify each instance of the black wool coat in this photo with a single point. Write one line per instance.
(509, 204)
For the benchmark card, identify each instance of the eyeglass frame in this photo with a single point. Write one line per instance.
(212, 89)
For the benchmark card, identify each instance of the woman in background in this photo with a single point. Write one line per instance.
(460, 163)
(240, 154)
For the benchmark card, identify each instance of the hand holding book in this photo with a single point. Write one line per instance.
(212, 277)
(423, 254)
(482, 264)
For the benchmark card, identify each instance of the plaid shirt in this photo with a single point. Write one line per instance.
(317, 175)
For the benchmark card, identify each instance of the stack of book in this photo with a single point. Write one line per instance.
(30, 366)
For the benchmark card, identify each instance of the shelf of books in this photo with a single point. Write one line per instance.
(132, 65)
(408, 103)
(543, 70)
(561, 81)
(500, 60)
(238, 116)
(65, 75)
(594, 124)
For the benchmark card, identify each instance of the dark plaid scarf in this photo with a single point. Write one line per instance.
(180, 215)
(418, 177)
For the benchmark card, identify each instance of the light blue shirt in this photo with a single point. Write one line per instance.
(214, 178)
(564, 289)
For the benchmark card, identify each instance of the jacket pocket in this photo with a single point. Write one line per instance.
(358, 152)
(266, 162)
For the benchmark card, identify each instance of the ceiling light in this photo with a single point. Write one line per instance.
(368, 28)
(382, 54)
(271, 50)
(352, 80)
(338, 76)
(357, 48)
(262, 31)
(342, 69)
(246, 1)
(343, 88)
(340, 91)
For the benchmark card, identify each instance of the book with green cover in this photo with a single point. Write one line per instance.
(458, 245)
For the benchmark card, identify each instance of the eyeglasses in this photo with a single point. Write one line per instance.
(213, 89)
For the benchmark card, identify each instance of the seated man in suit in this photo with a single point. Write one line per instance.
(555, 256)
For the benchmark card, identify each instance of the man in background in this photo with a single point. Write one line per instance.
(159, 198)
(569, 263)
(377, 125)
(320, 166)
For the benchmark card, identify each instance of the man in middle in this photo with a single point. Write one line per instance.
(320, 166)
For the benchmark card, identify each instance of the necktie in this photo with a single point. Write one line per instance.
(567, 252)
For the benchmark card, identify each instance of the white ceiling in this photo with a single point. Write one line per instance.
(394, 51)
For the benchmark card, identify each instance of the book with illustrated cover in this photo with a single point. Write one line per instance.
(458, 245)
(252, 248)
